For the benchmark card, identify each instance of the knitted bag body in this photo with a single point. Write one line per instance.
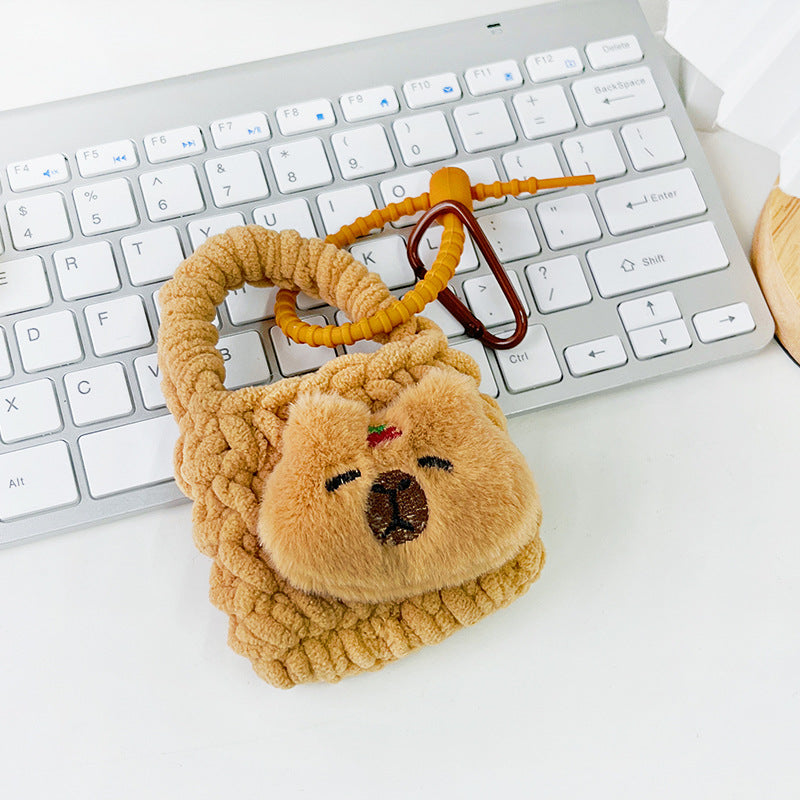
(355, 513)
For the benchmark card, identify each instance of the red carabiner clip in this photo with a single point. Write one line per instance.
(472, 325)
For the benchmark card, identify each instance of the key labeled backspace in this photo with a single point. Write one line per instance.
(656, 259)
(617, 95)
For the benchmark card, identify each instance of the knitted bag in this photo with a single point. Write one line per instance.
(353, 514)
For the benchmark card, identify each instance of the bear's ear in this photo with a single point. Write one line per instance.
(441, 393)
(330, 426)
(440, 410)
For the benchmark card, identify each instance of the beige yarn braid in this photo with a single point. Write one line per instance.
(231, 440)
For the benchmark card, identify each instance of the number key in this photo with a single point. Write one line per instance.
(236, 179)
(106, 206)
(171, 193)
(363, 151)
(300, 165)
(37, 221)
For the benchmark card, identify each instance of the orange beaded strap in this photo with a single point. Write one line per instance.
(447, 184)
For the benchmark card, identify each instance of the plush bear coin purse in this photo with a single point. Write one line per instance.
(355, 513)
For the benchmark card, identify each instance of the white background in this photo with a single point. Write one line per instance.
(657, 657)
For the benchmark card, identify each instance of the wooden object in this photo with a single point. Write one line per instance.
(776, 261)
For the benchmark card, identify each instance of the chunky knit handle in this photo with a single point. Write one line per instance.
(188, 356)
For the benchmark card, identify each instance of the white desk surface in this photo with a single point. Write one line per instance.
(657, 657)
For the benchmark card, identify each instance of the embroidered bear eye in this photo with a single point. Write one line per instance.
(332, 484)
(436, 462)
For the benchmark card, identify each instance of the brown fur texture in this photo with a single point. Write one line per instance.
(233, 443)
(482, 511)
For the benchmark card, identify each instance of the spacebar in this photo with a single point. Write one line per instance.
(119, 459)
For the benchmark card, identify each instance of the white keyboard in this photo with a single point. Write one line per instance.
(102, 196)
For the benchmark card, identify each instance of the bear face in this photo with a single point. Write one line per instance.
(426, 494)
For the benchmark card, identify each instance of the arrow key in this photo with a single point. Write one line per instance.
(595, 356)
(724, 322)
(650, 310)
(657, 340)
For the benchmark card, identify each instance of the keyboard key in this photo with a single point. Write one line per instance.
(595, 356)
(511, 234)
(293, 358)
(102, 159)
(300, 165)
(36, 479)
(37, 172)
(344, 206)
(432, 90)
(650, 310)
(652, 143)
(617, 95)
(152, 255)
(6, 370)
(481, 170)
(104, 207)
(242, 129)
(368, 103)
(437, 313)
(614, 52)
(654, 200)
(147, 447)
(245, 362)
(429, 246)
(723, 322)
(289, 215)
(171, 193)
(118, 325)
(490, 78)
(362, 151)
(553, 64)
(530, 364)
(568, 221)
(399, 187)
(86, 271)
(558, 283)
(475, 350)
(487, 301)
(538, 161)
(236, 179)
(424, 138)
(23, 285)
(148, 374)
(157, 305)
(98, 394)
(544, 112)
(363, 346)
(200, 229)
(48, 341)
(37, 221)
(484, 125)
(658, 340)
(28, 409)
(304, 117)
(594, 153)
(656, 259)
(251, 303)
(175, 143)
(387, 256)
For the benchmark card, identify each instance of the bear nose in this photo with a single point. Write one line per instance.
(397, 509)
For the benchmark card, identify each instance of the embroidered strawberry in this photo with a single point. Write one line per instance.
(378, 434)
